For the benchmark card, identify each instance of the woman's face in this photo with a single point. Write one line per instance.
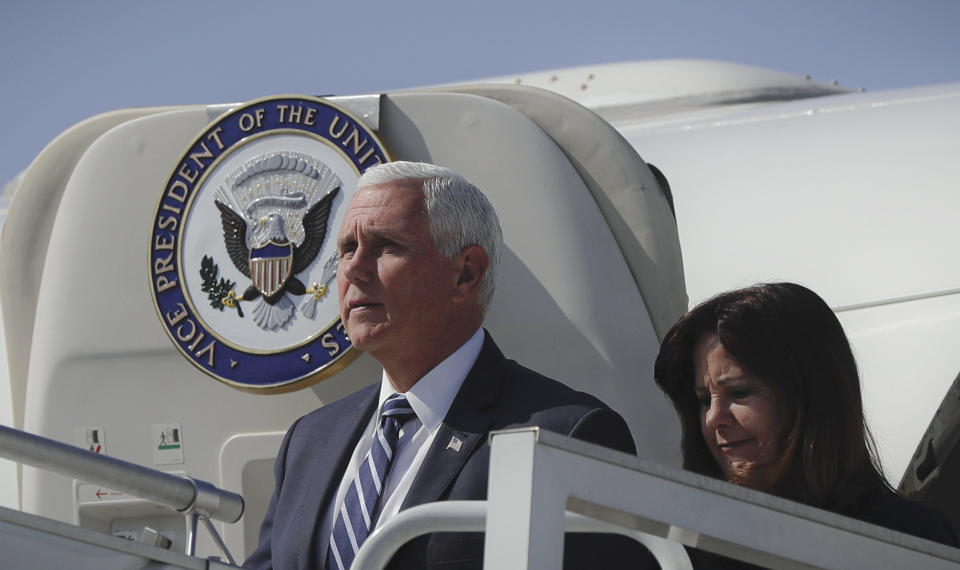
(740, 415)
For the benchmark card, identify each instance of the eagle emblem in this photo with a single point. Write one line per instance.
(262, 185)
(274, 211)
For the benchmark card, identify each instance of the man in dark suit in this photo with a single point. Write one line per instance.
(419, 246)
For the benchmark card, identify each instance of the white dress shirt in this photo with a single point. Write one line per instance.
(430, 399)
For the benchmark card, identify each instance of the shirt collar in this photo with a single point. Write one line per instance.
(433, 394)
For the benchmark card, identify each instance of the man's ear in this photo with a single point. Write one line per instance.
(472, 265)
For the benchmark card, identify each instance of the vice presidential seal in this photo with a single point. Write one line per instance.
(242, 253)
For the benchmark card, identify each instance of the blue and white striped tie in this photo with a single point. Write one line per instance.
(355, 519)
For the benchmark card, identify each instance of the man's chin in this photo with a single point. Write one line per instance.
(364, 339)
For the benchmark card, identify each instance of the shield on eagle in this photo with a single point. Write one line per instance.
(270, 266)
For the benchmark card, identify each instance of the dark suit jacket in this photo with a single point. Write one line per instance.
(497, 394)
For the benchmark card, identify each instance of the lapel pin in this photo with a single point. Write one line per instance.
(455, 443)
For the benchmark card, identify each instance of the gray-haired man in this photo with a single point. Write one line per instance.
(419, 247)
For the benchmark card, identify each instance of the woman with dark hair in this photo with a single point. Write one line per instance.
(768, 395)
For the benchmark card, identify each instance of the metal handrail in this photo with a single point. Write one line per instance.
(536, 475)
(471, 516)
(184, 494)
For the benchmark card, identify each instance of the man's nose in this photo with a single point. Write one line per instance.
(356, 267)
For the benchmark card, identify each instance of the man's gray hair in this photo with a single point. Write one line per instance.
(458, 213)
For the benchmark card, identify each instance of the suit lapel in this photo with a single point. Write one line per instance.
(465, 426)
(333, 449)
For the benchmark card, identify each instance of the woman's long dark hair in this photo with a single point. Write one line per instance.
(787, 335)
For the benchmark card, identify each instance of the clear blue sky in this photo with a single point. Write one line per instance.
(65, 60)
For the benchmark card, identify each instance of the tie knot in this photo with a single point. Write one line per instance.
(396, 406)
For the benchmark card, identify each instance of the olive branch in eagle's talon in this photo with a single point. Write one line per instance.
(219, 293)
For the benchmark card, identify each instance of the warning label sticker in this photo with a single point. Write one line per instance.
(167, 444)
(91, 438)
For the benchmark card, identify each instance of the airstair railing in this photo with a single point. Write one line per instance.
(536, 475)
(471, 516)
(196, 499)
(543, 484)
